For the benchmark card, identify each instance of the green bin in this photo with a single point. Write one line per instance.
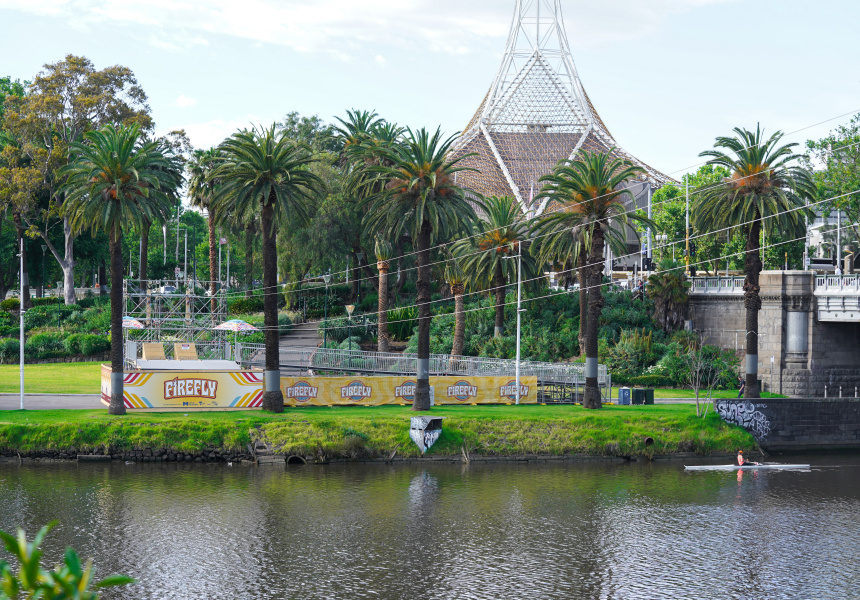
(649, 396)
(638, 396)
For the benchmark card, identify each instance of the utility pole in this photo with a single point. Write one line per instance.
(185, 261)
(838, 242)
(687, 213)
(519, 311)
(21, 318)
(650, 251)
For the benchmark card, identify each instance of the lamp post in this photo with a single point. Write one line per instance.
(349, 309)
(327, 279)
(519, 258)
(21, 318)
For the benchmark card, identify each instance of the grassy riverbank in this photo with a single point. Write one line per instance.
(360, 432)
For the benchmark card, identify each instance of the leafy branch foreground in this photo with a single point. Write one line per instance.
(361, 432)
(68, 581)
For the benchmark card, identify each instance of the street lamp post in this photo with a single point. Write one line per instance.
(327, 279)
(21, 319)
(349, 309)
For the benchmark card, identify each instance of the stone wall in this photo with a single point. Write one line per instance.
(782, 424)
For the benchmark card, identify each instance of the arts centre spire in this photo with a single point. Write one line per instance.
(535, 113)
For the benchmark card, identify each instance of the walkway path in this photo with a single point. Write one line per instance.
(50, 402)
(304, 335)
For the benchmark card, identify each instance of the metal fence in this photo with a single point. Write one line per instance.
(556, 381)
(849, 284)
(717, 285)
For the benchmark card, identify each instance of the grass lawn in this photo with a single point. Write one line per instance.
(378, 431)
(53, 378)
(669, 393)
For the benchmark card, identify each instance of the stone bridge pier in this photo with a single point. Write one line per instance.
(809, 324)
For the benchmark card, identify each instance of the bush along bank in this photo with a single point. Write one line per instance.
(322, 435)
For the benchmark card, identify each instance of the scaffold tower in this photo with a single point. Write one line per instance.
(535, 114)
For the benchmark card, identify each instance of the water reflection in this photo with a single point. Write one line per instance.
(450, 531)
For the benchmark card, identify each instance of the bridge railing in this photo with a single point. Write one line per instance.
(840, 284)
(717, 285)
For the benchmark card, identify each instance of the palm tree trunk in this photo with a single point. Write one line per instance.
(117, 404)
(213, 260)
(591, 397)
(582, 275)
(382, 320)
(26, 302)
(499, 290)
(144, 255)
(459, 320)
(422, 387)
(249, 260)
(273, 398)
(752, 303)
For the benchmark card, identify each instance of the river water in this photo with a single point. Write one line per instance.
(439, 531)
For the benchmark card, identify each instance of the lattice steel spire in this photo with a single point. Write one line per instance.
(536, 112)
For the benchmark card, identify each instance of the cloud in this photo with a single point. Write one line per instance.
(184, 101)
(340, 28)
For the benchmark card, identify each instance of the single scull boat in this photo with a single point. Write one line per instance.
(761, 467)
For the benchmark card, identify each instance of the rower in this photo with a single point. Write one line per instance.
(743, 462)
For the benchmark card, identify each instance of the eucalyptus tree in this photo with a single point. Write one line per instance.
(590, 190)
(117, 180)
(263, 172)
(485, 255)
(767, 190)
(421, 198)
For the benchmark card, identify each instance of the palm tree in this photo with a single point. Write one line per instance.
(264, 172)
(384, 254)
(494, 240)
(589, 188)
(422, 199)
(117, 180)
(201, 191)
(670, 291)
(767, 190)
(561, 237)
(457, 279)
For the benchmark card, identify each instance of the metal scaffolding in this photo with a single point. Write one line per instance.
(170, 316)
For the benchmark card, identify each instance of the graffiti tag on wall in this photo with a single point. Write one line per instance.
(747, 415)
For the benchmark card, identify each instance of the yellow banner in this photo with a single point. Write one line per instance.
(377, 391)
(187, 389)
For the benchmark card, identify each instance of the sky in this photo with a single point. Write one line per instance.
(666, 76)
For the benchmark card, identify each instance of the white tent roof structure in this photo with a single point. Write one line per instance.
(535, 114)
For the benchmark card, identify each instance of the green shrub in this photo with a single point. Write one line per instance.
(244, 306)
(97, 319)
(45, 345)
(336, 329)
(9, 350)
(284, 323)
(650, 381)
(94, 344)
(401, 322)
(351, 343)
(72, 343)
(10, 304)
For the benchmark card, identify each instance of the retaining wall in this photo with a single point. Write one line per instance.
(797, 424)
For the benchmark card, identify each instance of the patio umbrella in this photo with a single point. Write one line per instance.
(132, 323)
(235, 325)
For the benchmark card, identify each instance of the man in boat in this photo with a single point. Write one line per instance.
(743, 462)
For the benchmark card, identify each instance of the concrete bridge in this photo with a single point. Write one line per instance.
(809, 338)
